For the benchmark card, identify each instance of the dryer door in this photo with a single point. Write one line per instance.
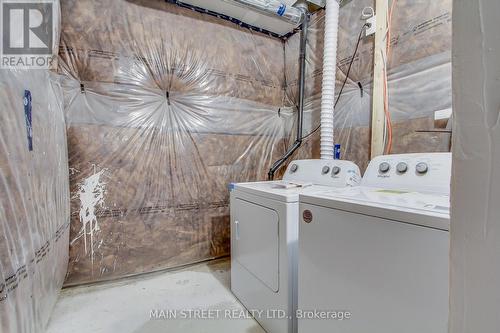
(256, 241)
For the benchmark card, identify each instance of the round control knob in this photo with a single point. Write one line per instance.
(294, 168)
(402, 167)
(335, 170)
(384, 167)
(422, 168)
(325, 170)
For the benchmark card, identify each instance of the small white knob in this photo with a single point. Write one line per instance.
(402, 167)
(422, 168)
(384, 167)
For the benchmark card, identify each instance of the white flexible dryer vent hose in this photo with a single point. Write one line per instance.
(329, 71)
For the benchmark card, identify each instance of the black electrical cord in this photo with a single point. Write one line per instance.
(345, 80)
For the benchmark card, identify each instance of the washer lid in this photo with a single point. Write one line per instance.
(425, 209)
(280, 190)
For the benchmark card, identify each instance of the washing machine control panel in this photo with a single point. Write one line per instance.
(429, 172)
(337, 173)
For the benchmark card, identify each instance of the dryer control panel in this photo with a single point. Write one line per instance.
(426, 172)
(336, 173)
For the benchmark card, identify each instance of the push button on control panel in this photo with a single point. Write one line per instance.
(325, 170)
(335, 170)
(402, 167)
(422, 168)
(384, 167)
(294, 168)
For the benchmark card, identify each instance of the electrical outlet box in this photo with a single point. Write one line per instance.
(372, 25)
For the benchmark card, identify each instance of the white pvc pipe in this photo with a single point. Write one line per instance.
(329, 71)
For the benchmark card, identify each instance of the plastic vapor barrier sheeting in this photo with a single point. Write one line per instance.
(419, 77)
(34, 197)
(132, 146)
(165, 108)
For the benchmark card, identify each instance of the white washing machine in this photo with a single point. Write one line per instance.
(264, 228)
(375, 258)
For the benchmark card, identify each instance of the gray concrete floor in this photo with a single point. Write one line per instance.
(198, 295)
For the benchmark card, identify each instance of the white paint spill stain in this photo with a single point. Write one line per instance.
(73, 171)
(91, 194)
